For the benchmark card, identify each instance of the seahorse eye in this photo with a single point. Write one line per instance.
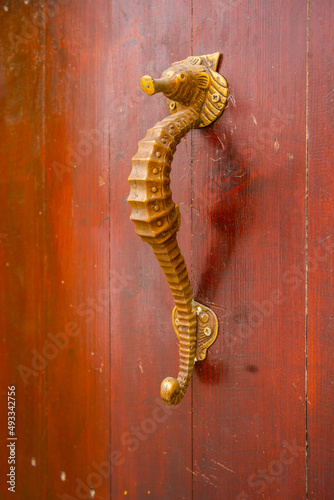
(182, 77)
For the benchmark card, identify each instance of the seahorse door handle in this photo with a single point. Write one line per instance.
(196, 96)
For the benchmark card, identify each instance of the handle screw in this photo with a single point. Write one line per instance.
(204, 317)
(207, 331)
(177, 321)
(215, 97)
(172, 105)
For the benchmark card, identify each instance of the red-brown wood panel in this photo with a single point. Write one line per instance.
(22, 280)
(151, 442)
(320, 335)
(77, 109)
(249, 260)
(86, 325)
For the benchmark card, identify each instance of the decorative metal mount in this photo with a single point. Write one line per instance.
(206, 332)
(196, 97)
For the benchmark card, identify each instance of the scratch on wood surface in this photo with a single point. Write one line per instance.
(221, 143)
(254, 119)
(140, 365)
(221, 465)
(232, 100)
(325, 238)
(107, 218)
(191, 471)
(200, 474)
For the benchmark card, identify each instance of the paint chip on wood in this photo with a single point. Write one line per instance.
(33, 461)
(140, 365)
(62, 475)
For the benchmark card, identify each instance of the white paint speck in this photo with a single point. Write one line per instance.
(62, 475)
(254, 119)
(33, 461)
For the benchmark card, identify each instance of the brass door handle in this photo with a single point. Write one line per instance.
(196, 96)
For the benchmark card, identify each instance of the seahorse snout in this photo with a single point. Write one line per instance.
(151, 86)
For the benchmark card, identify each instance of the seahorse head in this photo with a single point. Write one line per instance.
(192, 82)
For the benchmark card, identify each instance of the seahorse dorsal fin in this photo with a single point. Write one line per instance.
(190, 60)
(194, 60)
(209, 60)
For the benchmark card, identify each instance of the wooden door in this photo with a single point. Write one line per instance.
(86, 329)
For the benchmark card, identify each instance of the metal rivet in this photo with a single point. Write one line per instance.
(177, 321)
(207, 331)
(172, 105)
(158, 154)
(154, 190)
(204, 317)
(155, 170)
(156, 208)
(159, 223)
(163, 140)
(215, 97)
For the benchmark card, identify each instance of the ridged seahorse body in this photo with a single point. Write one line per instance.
(156, 217)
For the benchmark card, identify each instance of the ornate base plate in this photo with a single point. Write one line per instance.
(207, 329)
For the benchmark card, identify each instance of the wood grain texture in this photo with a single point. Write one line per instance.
(77, 208)
(153, 440)
(22, 276)
(320, 415)
(249, 261)
(86, 328)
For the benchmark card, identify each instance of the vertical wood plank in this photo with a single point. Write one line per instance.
(151, 443)
(22, 250)
(320, 252)
(249, 258)
(77, 164)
